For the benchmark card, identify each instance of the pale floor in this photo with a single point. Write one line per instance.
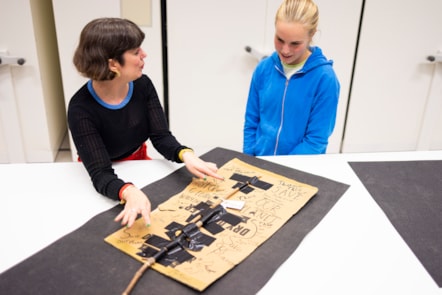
(64, 153)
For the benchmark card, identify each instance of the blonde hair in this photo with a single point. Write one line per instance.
(304, 12)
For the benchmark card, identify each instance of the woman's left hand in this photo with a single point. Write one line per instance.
(136, 203)
(200, 168)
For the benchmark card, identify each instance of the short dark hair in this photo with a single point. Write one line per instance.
(103, 39)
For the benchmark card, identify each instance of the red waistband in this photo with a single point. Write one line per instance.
(139, 154)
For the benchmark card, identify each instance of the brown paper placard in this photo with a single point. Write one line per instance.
(265, 211)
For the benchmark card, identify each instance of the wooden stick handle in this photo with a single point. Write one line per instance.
(138, 275)
(229, 195)
(236, 190)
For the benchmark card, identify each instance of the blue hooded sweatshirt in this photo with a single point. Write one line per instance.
(291, 116)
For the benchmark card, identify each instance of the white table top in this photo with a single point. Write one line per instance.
(354, 249)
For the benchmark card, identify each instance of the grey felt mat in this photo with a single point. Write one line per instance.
(410, 194)
(82, 263)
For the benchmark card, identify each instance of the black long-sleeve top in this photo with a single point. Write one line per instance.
(104, 133)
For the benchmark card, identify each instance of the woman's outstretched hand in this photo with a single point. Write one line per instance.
(136, 203)
(200, 168)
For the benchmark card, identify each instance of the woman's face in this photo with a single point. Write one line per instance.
(291, 42)
(133, 63)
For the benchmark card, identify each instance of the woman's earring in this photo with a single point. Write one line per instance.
(117, 73)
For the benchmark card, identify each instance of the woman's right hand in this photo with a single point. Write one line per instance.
(200, 168)
(136, 203)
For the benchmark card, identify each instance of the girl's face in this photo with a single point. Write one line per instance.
(291, 42)
(133, 63)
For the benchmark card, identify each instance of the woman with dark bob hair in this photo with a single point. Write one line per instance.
(114, 113)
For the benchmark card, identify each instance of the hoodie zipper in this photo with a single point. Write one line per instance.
(282, 116)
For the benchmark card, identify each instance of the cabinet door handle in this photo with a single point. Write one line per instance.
(255, 53)
(11, 60)
(435, 57)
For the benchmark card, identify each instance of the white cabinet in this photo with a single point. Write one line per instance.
(210, 72)
(396, 99)
(32, 112)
